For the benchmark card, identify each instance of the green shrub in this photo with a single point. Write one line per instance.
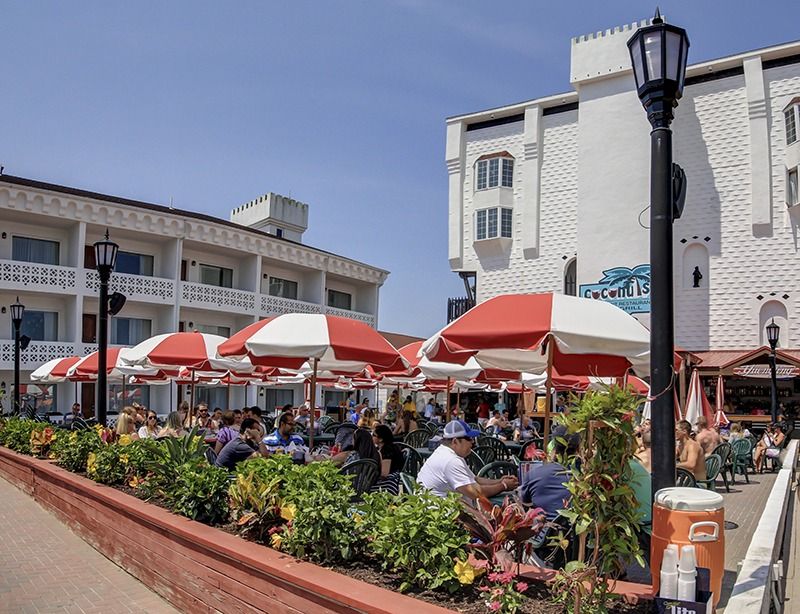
(16, 434)
(255, 498)
(419, 536)
(171, 455)
(316, 502)
(72, 450)
(200, 492)
(107, 465)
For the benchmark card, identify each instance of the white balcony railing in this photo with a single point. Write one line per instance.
(355, 315)
(15, 275)
(135, 287)
(276, 305)
(35, 355)
(204, 296)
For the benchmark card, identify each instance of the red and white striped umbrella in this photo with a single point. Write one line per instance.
(54, 371)
(720, 419)
(86, 369)
(697, 403)
(193, 350)
(340, 345)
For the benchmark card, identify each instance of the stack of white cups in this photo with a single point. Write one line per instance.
(687, 572)
(668, 587)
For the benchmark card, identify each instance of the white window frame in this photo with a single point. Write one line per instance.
(793, 187)
(483, 173)
(792, 112)
(489, 223)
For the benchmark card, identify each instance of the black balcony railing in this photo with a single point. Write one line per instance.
(457, 307)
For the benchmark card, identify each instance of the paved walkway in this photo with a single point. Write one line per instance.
(44, 567)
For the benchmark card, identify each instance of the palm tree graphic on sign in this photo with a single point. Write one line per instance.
(622, 277)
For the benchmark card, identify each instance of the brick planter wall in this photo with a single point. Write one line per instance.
(195, 567)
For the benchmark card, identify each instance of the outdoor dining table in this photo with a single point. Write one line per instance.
(424, 452)
(323, 438)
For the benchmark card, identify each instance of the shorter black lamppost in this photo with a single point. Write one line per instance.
(105, 253)
(773, 332)
(17, 312)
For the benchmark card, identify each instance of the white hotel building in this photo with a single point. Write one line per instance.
(179, 271)
(552, 194)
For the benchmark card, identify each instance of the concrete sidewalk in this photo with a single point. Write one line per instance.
(44, 567)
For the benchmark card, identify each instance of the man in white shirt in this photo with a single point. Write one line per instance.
(447, 471)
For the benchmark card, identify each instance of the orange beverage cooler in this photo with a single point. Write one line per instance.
(693, 516)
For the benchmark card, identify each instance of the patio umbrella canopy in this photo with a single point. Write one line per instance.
(697, 403)
(329, 343)
(54, 371)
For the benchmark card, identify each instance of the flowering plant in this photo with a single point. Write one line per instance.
(502, 593)
(534, 453)
(41, 439)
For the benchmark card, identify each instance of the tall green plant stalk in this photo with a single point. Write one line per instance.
(603, 505)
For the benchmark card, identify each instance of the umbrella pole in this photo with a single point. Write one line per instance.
(228, 396)
(548, 398)
(171, 400)
(447, 393)
(458, 398)
(123, 392)
(313, 405)
(191, 401)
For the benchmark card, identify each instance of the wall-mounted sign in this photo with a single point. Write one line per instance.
(763, 371)
(628, 289)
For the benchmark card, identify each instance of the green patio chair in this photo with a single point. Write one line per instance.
(497, 470)
(408, 483)
(418, 438)
(713, 466)
(741, 458)
(486, 453)
(501, 451)
(723, 450)
(474, 462)
(685, 478)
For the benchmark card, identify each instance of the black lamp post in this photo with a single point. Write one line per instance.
(773, 332)
(658, 54)
(17, 312)
(105, 253)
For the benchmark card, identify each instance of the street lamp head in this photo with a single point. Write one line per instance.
(773, 332)
(105, 254)
(658, 54)
(17, 311)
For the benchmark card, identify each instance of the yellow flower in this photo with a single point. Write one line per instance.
(73, 437)
(123, 459)
(134, 482)
(276, 541)
(124, 440)
(465, 572)
(358, 519)
(91, 463)
(288, 512)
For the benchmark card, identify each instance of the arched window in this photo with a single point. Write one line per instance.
(777, 311)
(571, 278)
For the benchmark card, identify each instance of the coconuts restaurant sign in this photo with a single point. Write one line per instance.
(628, 289)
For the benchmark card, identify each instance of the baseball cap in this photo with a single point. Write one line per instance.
(459, 428)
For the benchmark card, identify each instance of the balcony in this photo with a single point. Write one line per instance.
(134, 287)
(204, 296)
(355, 315)
(35, 355)
(457, 307)
(32, 276)
(276, 305)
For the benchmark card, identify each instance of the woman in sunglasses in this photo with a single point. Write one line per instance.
(150, 428)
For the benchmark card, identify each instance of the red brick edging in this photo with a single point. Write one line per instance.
(195, 567)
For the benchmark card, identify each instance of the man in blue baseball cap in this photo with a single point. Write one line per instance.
(447, 471)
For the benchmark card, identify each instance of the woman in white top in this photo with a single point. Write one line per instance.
(150, 428)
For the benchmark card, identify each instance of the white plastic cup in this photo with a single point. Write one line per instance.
(688, 562)
(670, 558)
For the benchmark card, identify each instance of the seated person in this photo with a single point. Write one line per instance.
(643, 455)
(242, 447)
(363, 447)
(282, 439)
(707, 436)
(545, 485)
(446, 470)
(497, 423)
(225, 432)
(690, 453)
(524, 429)
(768, 445)
(74, 414)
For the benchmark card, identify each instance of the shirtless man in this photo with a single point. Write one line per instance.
(707, 437)
(690, 453)
(644, 454)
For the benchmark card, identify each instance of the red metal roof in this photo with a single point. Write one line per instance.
(723, 359)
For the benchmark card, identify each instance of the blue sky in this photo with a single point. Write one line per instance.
(340, 104)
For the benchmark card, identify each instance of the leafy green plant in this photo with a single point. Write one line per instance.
(255, 499)
(315, 502)
(419, 536)
(199, 492)
(174, 453)
(16, 434)
(602, 504)
(42, 437)
(72, 450)
(107, 465)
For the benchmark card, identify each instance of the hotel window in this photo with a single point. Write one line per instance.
(339, 300)
(26, 249)
(216, 276)
(570, 278)
(129, 331)
(792, 188)
(493, 223)
(134, 264)
(39, 325)
(792, 117)
(283, 288)
(495, 171)
(212, 329)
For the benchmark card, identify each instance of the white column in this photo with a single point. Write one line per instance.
(760, 163)
(531, 174)
(455, 154)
